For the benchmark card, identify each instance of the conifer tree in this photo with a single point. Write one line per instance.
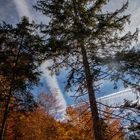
(20, 56)
(80, 35)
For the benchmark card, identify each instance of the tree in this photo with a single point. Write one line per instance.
(48, 103)
(38, 124)
(134, 132)
(80, 36)
(133, 127)
(80, 118)
(112, 127)
(20, 56)
(125, 66)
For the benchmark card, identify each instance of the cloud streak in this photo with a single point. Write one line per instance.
(53, 86)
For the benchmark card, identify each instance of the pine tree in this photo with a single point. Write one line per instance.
(20, 56)
(80, 36)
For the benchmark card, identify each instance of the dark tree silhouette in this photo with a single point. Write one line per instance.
(20, 56)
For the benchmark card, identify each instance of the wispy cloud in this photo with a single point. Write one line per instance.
(23, 8)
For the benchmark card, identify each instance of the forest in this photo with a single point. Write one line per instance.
(92, 46)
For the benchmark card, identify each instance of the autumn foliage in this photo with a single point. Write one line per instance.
(38, 124)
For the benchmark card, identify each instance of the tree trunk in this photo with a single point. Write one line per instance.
(5, 116)
(92, 100)
(3, 126)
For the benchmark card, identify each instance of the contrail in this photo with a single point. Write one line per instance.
(53, 86)
(23, 10)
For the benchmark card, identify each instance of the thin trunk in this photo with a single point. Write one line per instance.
(5, 116)
(89, 79)
(92, 100)
(3, 127)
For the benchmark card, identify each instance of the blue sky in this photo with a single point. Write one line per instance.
(11, 10)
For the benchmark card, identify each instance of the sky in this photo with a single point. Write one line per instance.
(12, 10)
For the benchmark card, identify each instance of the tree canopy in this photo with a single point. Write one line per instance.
(20, 57)
(80, 37)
